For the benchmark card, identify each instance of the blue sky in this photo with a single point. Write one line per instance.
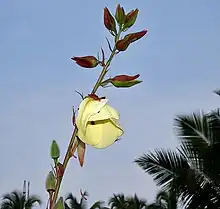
(178, 61)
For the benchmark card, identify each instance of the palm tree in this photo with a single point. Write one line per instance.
(135, 202)
(194, 169)
(16, 200)
(164, 200)
(119, 201)
(71, 202)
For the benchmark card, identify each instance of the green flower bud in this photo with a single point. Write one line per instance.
(120, 15)
(50, 182)
(130, 19)
(54, 151)
(59, 204)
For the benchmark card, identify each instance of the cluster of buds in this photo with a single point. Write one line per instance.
(125, 21)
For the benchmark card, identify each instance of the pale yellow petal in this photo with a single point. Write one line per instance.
(96, 105)
(88, 107)
(81, 112)
(81, 135)
(93, 107)
(116, 123)
(114, 113)
(93, 133)
(102, 134)
(103, 114)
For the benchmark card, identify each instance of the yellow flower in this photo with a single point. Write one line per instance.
(97, 123)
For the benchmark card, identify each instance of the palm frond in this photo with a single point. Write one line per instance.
(155, 206)
(72, 202)
(15, 199)
(33, 199)
(136, 202)
(217, 91)
(163, 165)
(195, 135)
(117, 201)
(162, 198)
(98, 205)
(6, 205)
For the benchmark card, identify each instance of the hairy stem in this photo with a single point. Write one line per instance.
(73, 140)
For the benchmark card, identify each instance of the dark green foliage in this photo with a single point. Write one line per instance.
(16, 200)
(119, 201)
(193, 171)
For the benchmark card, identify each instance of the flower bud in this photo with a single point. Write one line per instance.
(132, 37)
(87, 61)
(54, 151)
(122, 81)
(109, 21)
(81, 148)
(125, 77)
(130, 19)
(120, 15)
(59, 204)
(50, 182)
(125, 84)
(123, 44)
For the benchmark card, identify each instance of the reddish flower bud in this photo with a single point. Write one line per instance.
(123, 44)
(122, 81)
(109, 21)
(130, 19)
(87, 61)
(120, 15)
(125, 77)
(132, 37)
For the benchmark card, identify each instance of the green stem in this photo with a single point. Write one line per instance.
(73, 140)
(105, 68)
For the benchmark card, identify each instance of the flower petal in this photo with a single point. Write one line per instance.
(114, 113)
(104, 132)
(87, 108)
